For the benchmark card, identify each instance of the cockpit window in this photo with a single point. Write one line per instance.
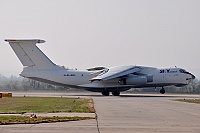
(182, 71)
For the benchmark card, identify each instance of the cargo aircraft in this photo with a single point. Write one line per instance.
(38, 66)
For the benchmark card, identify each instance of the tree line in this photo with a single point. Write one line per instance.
(14, 83)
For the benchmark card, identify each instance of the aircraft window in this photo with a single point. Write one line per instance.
(183, 71)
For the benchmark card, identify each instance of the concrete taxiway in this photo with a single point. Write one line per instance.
(138, 113)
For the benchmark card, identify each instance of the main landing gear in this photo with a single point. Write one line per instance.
(106, 93)
(116, 93)
(162, 90)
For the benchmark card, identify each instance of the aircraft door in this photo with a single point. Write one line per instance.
(164, 78)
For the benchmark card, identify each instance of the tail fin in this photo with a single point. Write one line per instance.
(30, 55)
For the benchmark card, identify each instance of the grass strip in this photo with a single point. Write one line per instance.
(4, 120)
(20, 105)
(189, 100)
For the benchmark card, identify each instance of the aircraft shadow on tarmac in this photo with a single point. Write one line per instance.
(145, 95)
(125, 95)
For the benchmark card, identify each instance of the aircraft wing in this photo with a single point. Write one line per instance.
(115, 72)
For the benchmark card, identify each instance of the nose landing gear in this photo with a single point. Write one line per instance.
(162, 91)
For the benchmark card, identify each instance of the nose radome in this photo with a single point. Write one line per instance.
(193, 77)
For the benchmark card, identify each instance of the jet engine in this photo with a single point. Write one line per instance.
(133, 80)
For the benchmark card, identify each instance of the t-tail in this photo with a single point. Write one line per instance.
(30, 55)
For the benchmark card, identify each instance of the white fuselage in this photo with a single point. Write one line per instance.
(81, 79)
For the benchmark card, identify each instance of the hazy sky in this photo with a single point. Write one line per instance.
(87, 33)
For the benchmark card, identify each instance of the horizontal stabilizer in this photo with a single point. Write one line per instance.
(25, 41)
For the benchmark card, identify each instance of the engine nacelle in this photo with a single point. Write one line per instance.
(133, 81)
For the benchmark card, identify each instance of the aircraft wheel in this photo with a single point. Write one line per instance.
(116, 93)
(162, 91)
(105, 93)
